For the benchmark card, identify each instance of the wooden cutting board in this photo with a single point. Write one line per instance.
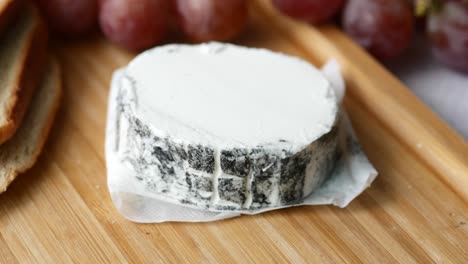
(415, 212)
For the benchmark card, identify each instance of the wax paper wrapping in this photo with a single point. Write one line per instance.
(352, 174)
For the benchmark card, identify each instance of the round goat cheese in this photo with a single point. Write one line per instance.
(222, 127)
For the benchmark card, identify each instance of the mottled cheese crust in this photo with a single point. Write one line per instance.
(199, 163)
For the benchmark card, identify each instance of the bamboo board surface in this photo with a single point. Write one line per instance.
(415, 212)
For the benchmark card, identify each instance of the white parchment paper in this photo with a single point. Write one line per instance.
(352, 175)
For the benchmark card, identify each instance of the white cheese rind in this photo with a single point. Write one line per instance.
(232, 96)
(200, 164)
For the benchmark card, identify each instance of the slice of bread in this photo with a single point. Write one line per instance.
(8, 11)
(23, 56)
(21, 152)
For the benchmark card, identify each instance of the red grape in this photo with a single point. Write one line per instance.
(448, 31)
(312, 11)
(383, 27)
(70, 17)
(135, 25)
(212, 20)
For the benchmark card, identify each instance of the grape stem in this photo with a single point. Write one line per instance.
(423, 7)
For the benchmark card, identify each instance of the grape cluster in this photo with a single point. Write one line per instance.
(448, 31)
(141, 24)
(385, 27)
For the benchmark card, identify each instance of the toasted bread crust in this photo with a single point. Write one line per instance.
(43, 133)
(9, 12)
(34, 59)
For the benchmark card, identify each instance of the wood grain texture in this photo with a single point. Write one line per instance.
(60, 211)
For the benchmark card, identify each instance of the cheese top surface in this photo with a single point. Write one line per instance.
(231, 96)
